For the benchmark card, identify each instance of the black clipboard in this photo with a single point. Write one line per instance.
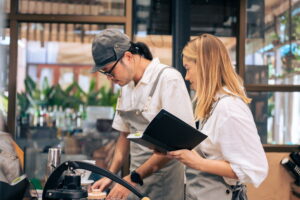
(167, 132)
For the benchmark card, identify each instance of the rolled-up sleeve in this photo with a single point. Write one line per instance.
(119, 124)
(241, 147)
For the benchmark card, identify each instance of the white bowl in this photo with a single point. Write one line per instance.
(85, 174)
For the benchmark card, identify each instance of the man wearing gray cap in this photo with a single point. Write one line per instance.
(147, 87)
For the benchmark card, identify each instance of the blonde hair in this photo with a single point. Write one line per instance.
(214, 71)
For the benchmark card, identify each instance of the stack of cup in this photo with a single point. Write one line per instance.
(54, 157)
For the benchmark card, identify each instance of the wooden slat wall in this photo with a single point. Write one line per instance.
(62, 32)
(277, 185)
(82, 7)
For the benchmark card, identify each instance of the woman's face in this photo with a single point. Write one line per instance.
(190, 76)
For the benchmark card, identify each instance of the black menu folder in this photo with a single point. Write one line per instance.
(167, 132)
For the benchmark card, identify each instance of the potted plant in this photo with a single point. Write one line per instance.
(275, 39)
(101, 105)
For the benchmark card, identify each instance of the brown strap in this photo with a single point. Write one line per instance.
(20, 153)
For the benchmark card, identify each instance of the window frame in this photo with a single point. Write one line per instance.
(14, 18)
(242, 26)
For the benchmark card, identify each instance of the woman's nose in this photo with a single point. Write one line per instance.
(187, 77)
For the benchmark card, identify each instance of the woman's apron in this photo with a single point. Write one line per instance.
(206, 186)
(168, 182)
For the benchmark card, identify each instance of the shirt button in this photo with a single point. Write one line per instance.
(227, 191)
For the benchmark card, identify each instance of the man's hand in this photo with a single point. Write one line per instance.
(119, 192)
(102, 184)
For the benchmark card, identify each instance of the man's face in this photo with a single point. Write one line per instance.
(119, 71)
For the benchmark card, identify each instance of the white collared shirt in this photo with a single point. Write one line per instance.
(233, 137)
(170, 94)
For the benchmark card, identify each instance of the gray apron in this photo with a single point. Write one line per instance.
(168, 182)
(206, 186)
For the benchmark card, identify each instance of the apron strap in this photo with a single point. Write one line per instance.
(151, 91)
(239, 192)
(211, 111)
(154, 88)
(156, 81)
(119, 100)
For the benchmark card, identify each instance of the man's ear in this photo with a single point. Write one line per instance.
(127, 57)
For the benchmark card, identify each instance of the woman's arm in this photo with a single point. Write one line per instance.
(193, 160)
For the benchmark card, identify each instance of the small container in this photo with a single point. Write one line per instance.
(54, 155)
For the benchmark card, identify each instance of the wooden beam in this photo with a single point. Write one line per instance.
(68, 18)
(241, 38)
(280, 148)
(181, 32)
(272, 88)
(12, 77)
(128, 16)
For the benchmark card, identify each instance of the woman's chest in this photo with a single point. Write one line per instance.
(210, 147)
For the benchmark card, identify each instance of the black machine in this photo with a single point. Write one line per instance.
(60, 186)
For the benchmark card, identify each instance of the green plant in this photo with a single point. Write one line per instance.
(295, 23)
(102, 97)
(71, 97)
(23, 103)
(275, 39)
(270, 105)
(93, 95)
(108, 97)
(35, 95)
(77, 96)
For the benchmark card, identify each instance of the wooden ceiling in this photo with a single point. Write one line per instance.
(71, 7)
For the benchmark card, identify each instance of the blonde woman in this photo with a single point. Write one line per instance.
(232, 155)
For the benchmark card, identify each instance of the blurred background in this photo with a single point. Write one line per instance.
(49, 98)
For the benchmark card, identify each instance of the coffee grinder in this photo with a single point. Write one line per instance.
(64, 184)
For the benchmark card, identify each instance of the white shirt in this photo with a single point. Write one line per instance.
(233, 137)
(170, 94)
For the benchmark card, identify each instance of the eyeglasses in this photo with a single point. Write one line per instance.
(109, 72)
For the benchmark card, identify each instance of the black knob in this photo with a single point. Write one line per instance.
(72, 182)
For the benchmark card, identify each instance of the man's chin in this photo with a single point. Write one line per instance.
(121, 83)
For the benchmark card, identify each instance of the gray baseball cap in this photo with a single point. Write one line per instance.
(109, 46)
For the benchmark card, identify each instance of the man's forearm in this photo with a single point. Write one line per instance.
(120, 154)
(153, 164)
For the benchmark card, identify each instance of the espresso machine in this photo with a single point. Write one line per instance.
(64, 184)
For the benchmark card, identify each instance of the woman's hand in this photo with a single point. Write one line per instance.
(188, 157)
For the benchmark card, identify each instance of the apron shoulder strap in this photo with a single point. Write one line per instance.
(212, 110)
(157, 80)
